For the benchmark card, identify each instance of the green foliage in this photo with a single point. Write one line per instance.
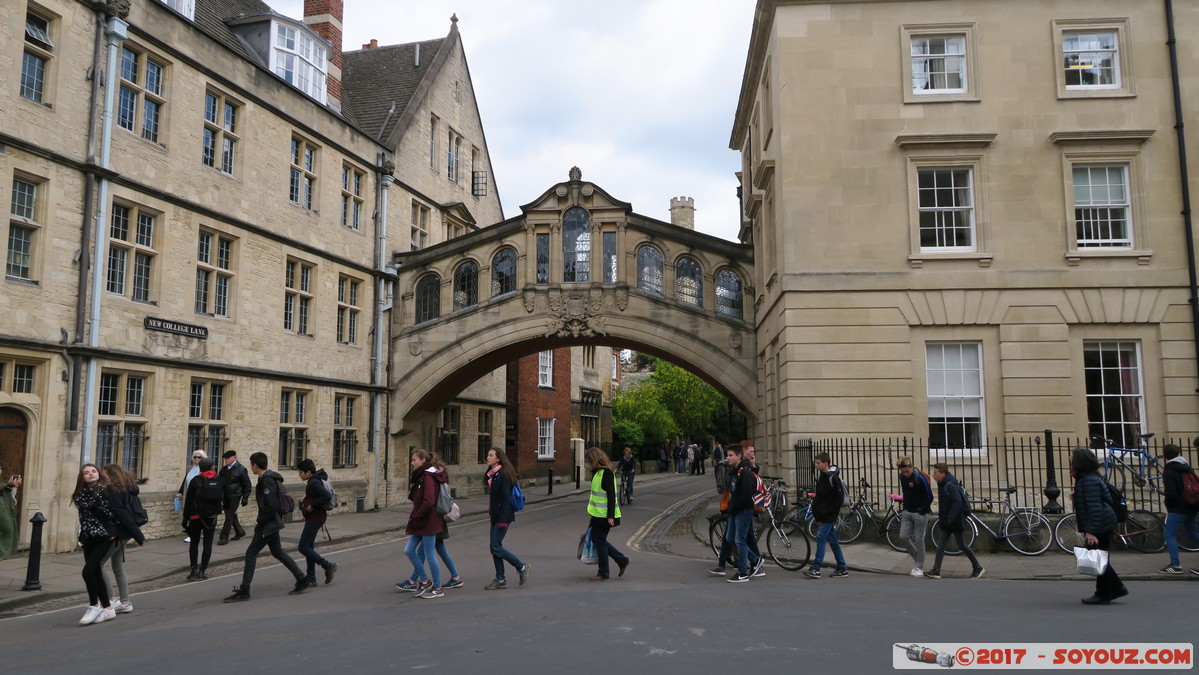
(691, 401)
(626, 433)
(640, 406)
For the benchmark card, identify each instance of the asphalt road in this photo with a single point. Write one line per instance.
(666, 614)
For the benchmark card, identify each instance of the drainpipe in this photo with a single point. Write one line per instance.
(383, 180)
(115, 32)
(1188, 228)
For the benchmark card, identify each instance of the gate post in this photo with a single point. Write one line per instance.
(1051, 491)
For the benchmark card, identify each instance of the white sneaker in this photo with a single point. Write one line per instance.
(123, 607)
(917, 572)
(105, 615)
(90, 615)
(187, 540)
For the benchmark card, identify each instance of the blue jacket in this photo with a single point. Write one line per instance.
(917, 493)
(1092, 503)
(950, 504)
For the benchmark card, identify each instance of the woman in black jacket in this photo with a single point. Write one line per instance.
(1096, 521)
(121, 490)
(96, 526)
(499, 479)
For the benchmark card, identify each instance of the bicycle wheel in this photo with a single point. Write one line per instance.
(951, 547)
(849, 525)
(716, 534)
(1116, 475)
(1145, 531)
(1028, 532)
(891, 533)
(788, 546)
(1066, 534)
(1185, 541)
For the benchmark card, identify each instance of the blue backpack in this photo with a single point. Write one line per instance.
(518, 497)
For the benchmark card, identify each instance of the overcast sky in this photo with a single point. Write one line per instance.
(639, 94)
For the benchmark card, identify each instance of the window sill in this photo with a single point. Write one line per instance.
(1095, 93)
(21, 280)
(955, 97)
(1074, 256)
(544, 459)
(917, 260)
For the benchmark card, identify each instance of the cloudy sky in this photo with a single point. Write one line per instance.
(639, 94)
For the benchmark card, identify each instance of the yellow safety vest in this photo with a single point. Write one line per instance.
(598, 505)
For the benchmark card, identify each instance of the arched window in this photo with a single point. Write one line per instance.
(689, 282)
(466, 285)
(428, 298)
(728, 294)
(649, 269)
(576, 246)
(503, 272)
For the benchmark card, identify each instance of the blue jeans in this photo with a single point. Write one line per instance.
(828, 534)
(499, 554)
(427, 544)
(1173, 522)
(441, 553)
(742, 527)
(307, 549)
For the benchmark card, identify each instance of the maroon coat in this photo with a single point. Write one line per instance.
(426, 482)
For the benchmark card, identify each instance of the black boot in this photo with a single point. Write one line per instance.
(195, 575)
(203, 573)
(239, 593)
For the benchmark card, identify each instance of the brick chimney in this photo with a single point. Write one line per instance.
(682, 212)
(324, 17)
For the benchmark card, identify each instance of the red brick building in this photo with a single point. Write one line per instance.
(539, 414)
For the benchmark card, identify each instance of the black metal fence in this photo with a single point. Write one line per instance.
(1036, 465)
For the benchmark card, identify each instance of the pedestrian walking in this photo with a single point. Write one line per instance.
(726, 543)
(740, 527)
(192, 472)
(122, 492)
(424, 523)
(202, 503)
(1180, 514)
(499, 480)
(8, 514)
(604, 509)
(951, 520)
(1093, 506)
(826, 506)
(413, 582)
(266, 530)
(703, 460)
(917, 492)
(236, 480)
(693, 459)
(96, 526)
(315, 509)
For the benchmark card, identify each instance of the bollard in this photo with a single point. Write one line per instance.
(1051, 491)
(33, 572)
(578, 477)
(551, 481)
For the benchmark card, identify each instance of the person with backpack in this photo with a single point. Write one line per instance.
(499, 480)
(424, 523)
(826, 506)
(1093, 505)
(126, 510)
(315, 508)
(413, 581)
(202, 503)
(740, 526)
(273, 503)
(917, 504)
(952, 509)
(192, 472)
(1180, 511)
(603, 508)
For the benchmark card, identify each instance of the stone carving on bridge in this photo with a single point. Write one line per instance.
(735, 340)
(622, 298)
(415, 348)
(530, 298)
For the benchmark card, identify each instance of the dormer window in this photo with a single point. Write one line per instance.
(300, 60)
(185, 7)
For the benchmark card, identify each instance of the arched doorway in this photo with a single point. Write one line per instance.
(14, 432)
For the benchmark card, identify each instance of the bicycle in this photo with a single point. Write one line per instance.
(845, 525)
(1117, 465)
(786, 542)
(625, 494)
(1024, 529)
(851, 521)
(1144, 530)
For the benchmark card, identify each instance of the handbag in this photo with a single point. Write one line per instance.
(587, 549)
(1090, 561)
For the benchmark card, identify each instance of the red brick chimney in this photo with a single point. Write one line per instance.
(324, 17)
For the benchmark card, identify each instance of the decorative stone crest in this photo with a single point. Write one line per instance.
(575, 174)
(622, 298)
(563, 326)
(735, 340)
(560, 190)
(415, 348)
(530, 298)
(587, 190)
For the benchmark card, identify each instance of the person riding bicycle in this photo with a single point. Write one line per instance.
(627, 468)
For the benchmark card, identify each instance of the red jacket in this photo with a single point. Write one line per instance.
(426, 482)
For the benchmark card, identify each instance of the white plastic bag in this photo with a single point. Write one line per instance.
(1090, 561)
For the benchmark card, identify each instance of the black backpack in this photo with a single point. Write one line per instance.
(210, 495)
(140, 517)
(1118, 503)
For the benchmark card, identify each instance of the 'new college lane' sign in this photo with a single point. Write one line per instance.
(190, 330)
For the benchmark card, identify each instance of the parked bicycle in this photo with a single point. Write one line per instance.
(786, 542)
(851, 521)
(1136, 464)
(1024, 529)
(1143, 530)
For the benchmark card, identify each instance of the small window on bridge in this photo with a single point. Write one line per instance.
(576, 246)
(728, 294)
(689, 282)
(503, 273)
(466, 285)
(649, 269)
(428, 298)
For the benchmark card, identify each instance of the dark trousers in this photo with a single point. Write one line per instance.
(1108, 583)
(308, 549)
(256, 545)
(599, 537)
(231, 521)
(198, 528)
(499, 554)
(959, 538)
(93, 560)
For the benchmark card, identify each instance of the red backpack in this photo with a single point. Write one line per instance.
(1190, 487)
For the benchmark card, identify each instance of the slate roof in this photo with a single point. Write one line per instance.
(211, 15)
(373, 80)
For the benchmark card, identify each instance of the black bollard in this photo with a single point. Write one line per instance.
(551, 481)
(33, 572)
(578, 477)
(1051, 491)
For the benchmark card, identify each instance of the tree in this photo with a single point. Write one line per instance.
(639, 419)
(693, 403)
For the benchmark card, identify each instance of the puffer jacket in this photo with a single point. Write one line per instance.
(951, 505)
(1172, 485)
(1092, 503)
(96, 521)
(426, 482)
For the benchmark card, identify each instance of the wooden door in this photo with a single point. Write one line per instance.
(14, 431)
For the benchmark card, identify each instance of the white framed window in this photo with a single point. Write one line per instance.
(420, 225)
(23, 377)
(214, 273)
(615, 367)
(1102, 206)
(345, 433)
(1104, 195)
(1115, 392)
(478, 176)
(433, 142)
(945, 199)
(297, 298)
(939, 62)
(545, 437)
(300, 59)
(122, 420)
(131, 251)
(293, 427)
(221, 119)
(453, 153)
(954, 376)
(140, 97)
(351, 196)
(302, 188)
(38, 55)
(207, 429)
(576, 245)
(545, 368)
(1094, 57)
(185, 7)
(24, 228)
(348, 309)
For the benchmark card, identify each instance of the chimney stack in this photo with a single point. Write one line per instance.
(682, 212)
(324, 17)
(371, 45)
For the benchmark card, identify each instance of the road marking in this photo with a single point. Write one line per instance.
(670, 512)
